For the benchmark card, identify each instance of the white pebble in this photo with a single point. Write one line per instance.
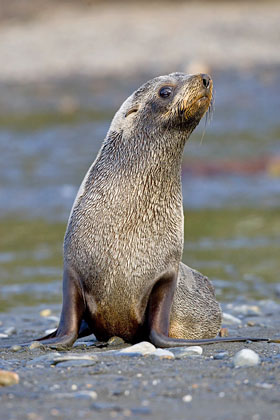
(229, 319)
(246, 357)
(142, 348)
(181, 352)
(163, 354)
(50, 331)
(247, 309)
(187, 398)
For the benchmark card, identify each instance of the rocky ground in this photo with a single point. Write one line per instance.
(90, 381)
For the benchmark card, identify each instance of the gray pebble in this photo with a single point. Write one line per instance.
(76, 363)
(106, 406)
(86, 395)
(221, 355)
(141, 410)
(46, 359)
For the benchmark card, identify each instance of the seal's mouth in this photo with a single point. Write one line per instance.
(197, 107)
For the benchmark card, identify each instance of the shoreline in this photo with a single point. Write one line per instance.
(72, 41)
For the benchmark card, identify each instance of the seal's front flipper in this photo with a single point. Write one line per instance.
(158, 313)
(73, 309)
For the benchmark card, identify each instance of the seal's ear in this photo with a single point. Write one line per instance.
(131, 110)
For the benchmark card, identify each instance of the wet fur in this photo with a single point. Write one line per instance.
(125, 230)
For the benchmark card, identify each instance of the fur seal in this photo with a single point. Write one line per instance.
(124, 240)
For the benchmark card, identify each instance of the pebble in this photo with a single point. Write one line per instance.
(16, 347)
(264, 385)
(221, 355)
(115, 341)
(163, 354)
(229, 319)
(9, 331)
(74, 359)
(86, 395)
(50, 331)
(141, 349)
(223, 332)
(35, 345)
(45, 312)
(8, 378)
(77, 363)
(181, 352)
(106, 406)
(247, 309)
(46, 359)
(141, 410)
(187, 398)
(246, 357)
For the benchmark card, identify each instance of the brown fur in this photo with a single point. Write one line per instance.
(125, 230)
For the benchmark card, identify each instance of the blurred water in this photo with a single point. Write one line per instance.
(47, 145)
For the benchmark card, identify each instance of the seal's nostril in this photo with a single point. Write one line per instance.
(206, 80)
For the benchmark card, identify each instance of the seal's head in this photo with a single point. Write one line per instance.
(175, 102)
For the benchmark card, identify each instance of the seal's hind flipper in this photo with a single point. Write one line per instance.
(158, 313)
(70, 326)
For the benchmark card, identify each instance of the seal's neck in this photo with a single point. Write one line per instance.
(155, 154)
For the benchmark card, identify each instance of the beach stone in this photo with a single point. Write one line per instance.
(106, 406)
(8, 378)
(46, 359)
(16, 347)
(247, 309)
(140, 349)
(50, 331)
(221, 355)
(35, 345)
(163, 354)
(115, 341)
(187, 398)
(245, 358)
(141, 410)
(45, 313)
(223, 332)
(76, 363)
(85, 395)
(10, 331)
(74, 359)
(229, 319)
(181, 352)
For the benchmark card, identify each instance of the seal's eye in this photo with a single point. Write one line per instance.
(165, 92)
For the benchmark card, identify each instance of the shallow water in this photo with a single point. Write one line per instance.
(232, 225)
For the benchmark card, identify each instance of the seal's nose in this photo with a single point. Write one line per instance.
(206, 80)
